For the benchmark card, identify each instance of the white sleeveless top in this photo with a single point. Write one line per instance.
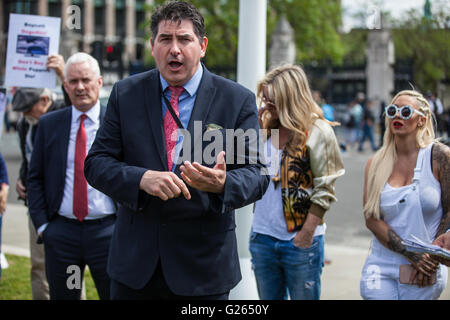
(415, 208)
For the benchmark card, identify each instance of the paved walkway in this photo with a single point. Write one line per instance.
(340, 279)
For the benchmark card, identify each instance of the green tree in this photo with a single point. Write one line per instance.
(425, 41)
(355, 47)
(418, 35)
(316, 24)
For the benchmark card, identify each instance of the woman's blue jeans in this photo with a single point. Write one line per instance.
(283, 269)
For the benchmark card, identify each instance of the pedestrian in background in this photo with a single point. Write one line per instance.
(447, 123)
(352, 123)
(4, 188)
(287, 237)
(406, 193)
(382, 123)
(328, 110)
(368, 122)
(438, 110)
(3, 107)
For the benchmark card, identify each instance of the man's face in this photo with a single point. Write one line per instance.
(82, 86)
(177, 51)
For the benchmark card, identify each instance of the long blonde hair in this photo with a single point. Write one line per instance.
(288, 89)
(383, 161)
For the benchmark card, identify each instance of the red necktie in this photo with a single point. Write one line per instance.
(80, 189)
(170, 126)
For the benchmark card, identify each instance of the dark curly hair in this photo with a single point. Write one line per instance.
(177, 11)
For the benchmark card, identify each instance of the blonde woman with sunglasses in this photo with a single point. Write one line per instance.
(286, 242)
(406, 194)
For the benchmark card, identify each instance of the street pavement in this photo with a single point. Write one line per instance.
(347, 240)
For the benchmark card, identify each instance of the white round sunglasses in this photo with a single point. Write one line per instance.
(406, 111)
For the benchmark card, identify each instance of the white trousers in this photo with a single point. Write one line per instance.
(380, 281)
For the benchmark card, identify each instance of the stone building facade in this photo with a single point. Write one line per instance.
(86, 25)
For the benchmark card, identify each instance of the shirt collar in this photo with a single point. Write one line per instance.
(191, 86)
(93, 114)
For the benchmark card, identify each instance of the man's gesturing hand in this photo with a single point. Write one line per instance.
(164, 185)
(204, 178)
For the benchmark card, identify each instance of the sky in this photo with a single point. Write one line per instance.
(396, 7)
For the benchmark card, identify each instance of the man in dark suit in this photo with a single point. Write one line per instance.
(74, 220)
(174, 235)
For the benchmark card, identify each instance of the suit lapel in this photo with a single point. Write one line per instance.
(102, 112)
(154, 112)
(205, 97)
(63, 132)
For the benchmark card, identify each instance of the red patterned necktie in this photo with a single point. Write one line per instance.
(80, 186)
(170, 126)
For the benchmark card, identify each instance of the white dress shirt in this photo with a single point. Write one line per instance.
(99, 204)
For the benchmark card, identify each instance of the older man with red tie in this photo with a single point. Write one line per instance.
(74, 221)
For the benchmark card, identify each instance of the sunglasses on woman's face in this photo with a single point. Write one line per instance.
(406, 112)
(267, 101)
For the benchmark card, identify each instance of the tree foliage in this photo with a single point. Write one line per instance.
(426, 42)
(316, 24)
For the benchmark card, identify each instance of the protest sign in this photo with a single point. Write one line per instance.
(31, 39)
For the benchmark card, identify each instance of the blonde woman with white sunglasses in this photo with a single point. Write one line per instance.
(406, 193)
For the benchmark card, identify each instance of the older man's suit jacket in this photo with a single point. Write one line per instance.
(47, 172)
(194, 240)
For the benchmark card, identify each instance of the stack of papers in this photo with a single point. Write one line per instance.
(418, 245)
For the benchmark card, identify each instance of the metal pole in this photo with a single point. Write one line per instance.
(252, 42)
(251, 69)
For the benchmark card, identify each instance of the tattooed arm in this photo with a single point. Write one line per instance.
(386, 235)
(441, 171)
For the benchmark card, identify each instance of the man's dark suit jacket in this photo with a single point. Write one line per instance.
(194, 240)
(22, 129)
(47, 172)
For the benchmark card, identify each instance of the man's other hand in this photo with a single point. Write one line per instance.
(164, 185)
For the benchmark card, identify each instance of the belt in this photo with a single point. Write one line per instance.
(91, 221)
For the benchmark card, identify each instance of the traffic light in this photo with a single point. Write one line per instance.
(114, 58)
(110, 53)
(97, 52)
